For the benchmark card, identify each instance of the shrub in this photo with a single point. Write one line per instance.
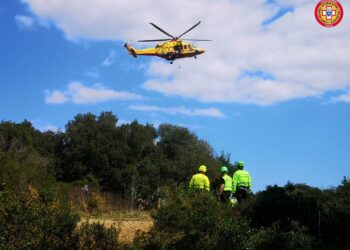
(30, 220)
(95, 236)
(33, 220)
(273, 238)
(195, 220)
(323, 214)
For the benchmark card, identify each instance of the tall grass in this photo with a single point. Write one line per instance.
(96, 202)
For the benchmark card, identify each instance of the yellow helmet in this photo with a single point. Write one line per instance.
(202, 168)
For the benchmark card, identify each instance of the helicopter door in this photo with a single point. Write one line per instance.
(178, 49)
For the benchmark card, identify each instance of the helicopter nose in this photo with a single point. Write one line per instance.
(200, 51)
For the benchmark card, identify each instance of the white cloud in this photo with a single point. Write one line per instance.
(56, 97)
(109, 59)
(342, 98)
(210, 112)
(24, 21)
(77, 93)
(303, 58)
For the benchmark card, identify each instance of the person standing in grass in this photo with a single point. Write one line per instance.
(200, 181)
(242, 182)
(225, 187)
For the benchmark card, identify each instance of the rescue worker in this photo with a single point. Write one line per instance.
(200, 181)
(242, 182)
(225, 188)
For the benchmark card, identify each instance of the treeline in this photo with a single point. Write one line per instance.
(37, 170)
(133, 160)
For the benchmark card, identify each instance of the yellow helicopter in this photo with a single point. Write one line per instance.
(171, 49)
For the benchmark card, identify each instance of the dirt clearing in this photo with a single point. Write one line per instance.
(128, 226)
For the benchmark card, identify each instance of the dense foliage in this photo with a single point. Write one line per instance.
(322, 214)
(32, 221)
(289, 217)
(134, 161)
(195, 220)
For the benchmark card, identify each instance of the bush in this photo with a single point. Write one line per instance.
(195, 220)
(285, 205)
(33, 221)
(323, 214)
(273, 238)
(96, 236)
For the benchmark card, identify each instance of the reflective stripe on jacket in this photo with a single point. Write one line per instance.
(241, 178)
(200, 181)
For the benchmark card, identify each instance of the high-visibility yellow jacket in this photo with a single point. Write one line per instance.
(241, 178)
(228, 182)
(200, 181)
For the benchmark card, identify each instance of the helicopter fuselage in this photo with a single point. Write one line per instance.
(171, 50)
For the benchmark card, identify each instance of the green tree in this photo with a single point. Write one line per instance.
(91, 146)
(183, 154)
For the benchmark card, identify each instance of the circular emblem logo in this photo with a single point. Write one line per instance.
(329, 13)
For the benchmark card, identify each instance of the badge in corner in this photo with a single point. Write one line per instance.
(329, 13)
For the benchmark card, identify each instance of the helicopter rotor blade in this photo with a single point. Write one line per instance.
(200, 40)
(194, 26)
(166, 33)
(153, 40)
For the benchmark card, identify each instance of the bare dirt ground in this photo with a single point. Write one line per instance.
(128, 226)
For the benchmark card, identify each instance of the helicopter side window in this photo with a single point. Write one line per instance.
(189, 47)
(185, 46)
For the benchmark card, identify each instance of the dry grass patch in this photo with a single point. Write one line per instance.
(127, 222)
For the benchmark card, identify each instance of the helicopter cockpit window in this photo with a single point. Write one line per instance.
(189, 47)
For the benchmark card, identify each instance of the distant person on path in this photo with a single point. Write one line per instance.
(225, 187)
(200, 181)
(242, 182)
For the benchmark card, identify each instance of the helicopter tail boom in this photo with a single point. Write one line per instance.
(130, 49)
(141, 52)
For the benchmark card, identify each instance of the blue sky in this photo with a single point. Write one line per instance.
(272, 89)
